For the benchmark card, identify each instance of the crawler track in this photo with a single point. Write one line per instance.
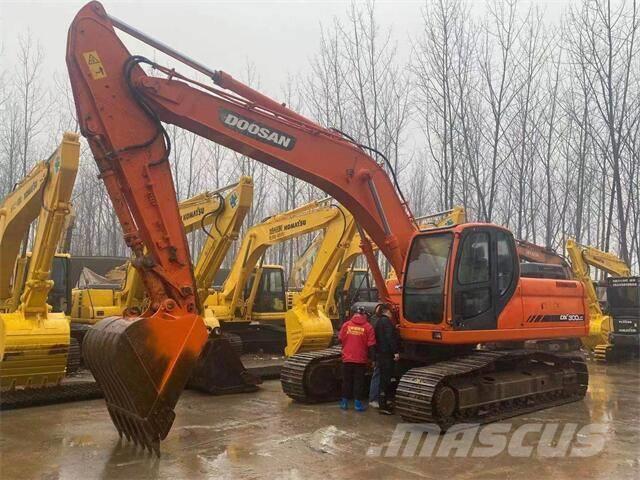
(312, 377)
(487, 386)
(66, 392)
(74, 358)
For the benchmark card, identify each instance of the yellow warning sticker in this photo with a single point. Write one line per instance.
(95, 65)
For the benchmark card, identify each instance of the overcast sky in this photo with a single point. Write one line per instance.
(278, 37)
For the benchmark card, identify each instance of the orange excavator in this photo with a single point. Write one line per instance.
(460, 285)
(541, 262)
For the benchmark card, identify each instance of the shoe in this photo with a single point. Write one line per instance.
(344, 404)
(385, 411)
(374, 404)
(359, 406)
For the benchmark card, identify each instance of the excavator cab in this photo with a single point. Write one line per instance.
(60, 294)
(271, 294)
(477, 269)
(465, 279)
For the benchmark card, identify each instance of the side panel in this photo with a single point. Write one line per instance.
(549, 303)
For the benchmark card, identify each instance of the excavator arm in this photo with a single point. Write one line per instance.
(34, 341)
(604, 261)
(580, 267)
(18, 210)
(120, 110)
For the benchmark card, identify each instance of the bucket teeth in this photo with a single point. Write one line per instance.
(142, 366)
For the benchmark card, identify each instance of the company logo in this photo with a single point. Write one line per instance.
(288, 226)
(256, 130)
(467, 440)
(233, 200)
(194, 213)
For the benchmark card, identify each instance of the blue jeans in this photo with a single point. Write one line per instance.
(374, 388)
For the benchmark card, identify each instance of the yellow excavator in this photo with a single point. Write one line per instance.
(614, 333)
(253, 298)
(34, 341)
(348, 285)
(223, 215)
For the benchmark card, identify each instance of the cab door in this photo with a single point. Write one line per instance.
(485, 277)
(271, 295)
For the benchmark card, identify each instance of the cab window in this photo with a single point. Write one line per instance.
(474, 262)
(425, 278)
(473, 276)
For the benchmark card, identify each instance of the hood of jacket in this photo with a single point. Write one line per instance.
(359, 318)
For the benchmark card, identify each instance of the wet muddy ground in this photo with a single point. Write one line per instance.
(265, 435)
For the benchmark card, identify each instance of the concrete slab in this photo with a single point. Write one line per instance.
(265, 435)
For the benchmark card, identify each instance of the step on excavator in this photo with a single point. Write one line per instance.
(614, 334)
(34, 340)
(460, 285)
(255, 294)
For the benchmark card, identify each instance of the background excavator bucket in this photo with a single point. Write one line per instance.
(142, 366)
(307, 330)
(220, 371)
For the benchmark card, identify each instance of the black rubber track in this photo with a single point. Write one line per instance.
(417, 387)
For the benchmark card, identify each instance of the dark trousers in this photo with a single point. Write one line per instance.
(353, 380)
(386, 365)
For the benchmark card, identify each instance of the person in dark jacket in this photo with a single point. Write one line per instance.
(374, 386)
(387, 353)
(358, 346)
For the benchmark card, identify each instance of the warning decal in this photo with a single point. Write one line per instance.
(95, 65)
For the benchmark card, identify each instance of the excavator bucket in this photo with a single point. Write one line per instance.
(307, 330)
(142, 365)
(219, 370)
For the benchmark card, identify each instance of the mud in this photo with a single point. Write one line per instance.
(265, 435)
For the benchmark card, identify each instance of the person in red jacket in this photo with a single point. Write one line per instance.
(358, 345)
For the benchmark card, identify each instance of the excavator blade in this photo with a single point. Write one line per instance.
(142, 365)
(219, 370)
